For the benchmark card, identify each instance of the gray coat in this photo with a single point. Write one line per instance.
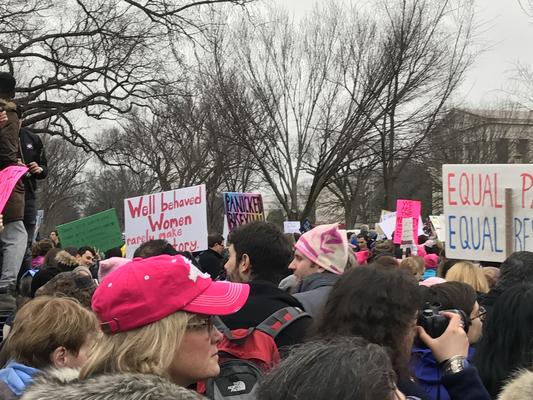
(314, 290)
(64, 384)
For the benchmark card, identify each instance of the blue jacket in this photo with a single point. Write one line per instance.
(17, 376)
(428, 374)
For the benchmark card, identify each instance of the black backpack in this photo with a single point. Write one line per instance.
(245, 355)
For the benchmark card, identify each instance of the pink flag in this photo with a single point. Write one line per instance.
(8, 179)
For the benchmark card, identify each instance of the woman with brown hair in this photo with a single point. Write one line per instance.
(48, 332)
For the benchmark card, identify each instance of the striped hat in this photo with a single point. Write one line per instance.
(326, 246)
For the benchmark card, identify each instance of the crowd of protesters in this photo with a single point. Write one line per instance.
(259, 315)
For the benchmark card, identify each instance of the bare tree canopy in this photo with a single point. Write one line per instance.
(93, 59)
(308, 99)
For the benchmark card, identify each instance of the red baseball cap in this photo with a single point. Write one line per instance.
(146, 290)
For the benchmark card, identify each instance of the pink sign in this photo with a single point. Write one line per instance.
(8, 179)
(410, 210)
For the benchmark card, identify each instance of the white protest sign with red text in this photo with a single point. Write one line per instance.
(178, 216)
(474, 206)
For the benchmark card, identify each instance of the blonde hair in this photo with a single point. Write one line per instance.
(415, 265)
(149, 349)
(467, 272)
(45, 323)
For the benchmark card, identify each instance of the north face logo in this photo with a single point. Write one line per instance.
(238, 386)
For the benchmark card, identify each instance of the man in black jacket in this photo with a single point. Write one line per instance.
(259, 254)
(33, 156)
(212, 260)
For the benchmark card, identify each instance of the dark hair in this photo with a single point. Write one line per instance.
(517, 268)
(7, 85)
(50, 258)
(266, 246)
(506, 344)
(82, 250)
(41, 248)
(452, 295)
(378, 303)
(71, 250)
(158, 247)
(346, 367)
(386, 261)
(153, 248)
(114, 252)
(214, 238)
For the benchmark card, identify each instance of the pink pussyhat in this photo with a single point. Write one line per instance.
(326, 246)
(109, 265)
(147, 290)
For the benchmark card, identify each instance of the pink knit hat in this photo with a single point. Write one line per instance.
(109, 265)
(431, 260)
(326, 246)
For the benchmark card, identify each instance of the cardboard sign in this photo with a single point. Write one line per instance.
(291, 226)
(100, 231)
(407, 209)
(8, 179)
(178, 216)
(242, 208)
(474, 206)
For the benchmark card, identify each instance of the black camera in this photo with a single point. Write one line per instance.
(434, 323)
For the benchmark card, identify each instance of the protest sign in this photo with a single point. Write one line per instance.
(291, 226)
(438, 222)
(404, 231)
(8, 179)
(389, 225)
(100, 231)
(475, 207)
(242, 208)
(178, 216)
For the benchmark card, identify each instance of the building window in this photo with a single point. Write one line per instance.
(523, 150)
(502, 151)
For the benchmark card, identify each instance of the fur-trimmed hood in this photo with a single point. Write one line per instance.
(518, 388)
(64, 384)
(6, 105)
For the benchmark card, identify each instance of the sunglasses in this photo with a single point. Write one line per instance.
(202, 323)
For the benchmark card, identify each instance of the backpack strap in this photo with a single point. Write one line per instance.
(280, 320)
(226, 331)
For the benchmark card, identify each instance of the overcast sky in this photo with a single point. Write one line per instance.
(505, 27)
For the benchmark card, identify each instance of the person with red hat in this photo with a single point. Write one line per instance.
(156, 316)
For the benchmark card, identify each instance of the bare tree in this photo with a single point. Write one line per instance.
(111, 186)
(81, 60)
(428, 48)
(61, 194)
(299, 98)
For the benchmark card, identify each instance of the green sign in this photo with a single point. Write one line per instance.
(100, 231)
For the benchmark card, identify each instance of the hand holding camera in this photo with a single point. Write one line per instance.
(453, 342)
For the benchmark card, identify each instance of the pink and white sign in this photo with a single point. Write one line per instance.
(178, 216)
(410, 211)
(8, 179)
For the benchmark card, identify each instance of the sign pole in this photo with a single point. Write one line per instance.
(508, 221)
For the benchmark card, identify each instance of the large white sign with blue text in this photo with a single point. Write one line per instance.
(474, 207)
